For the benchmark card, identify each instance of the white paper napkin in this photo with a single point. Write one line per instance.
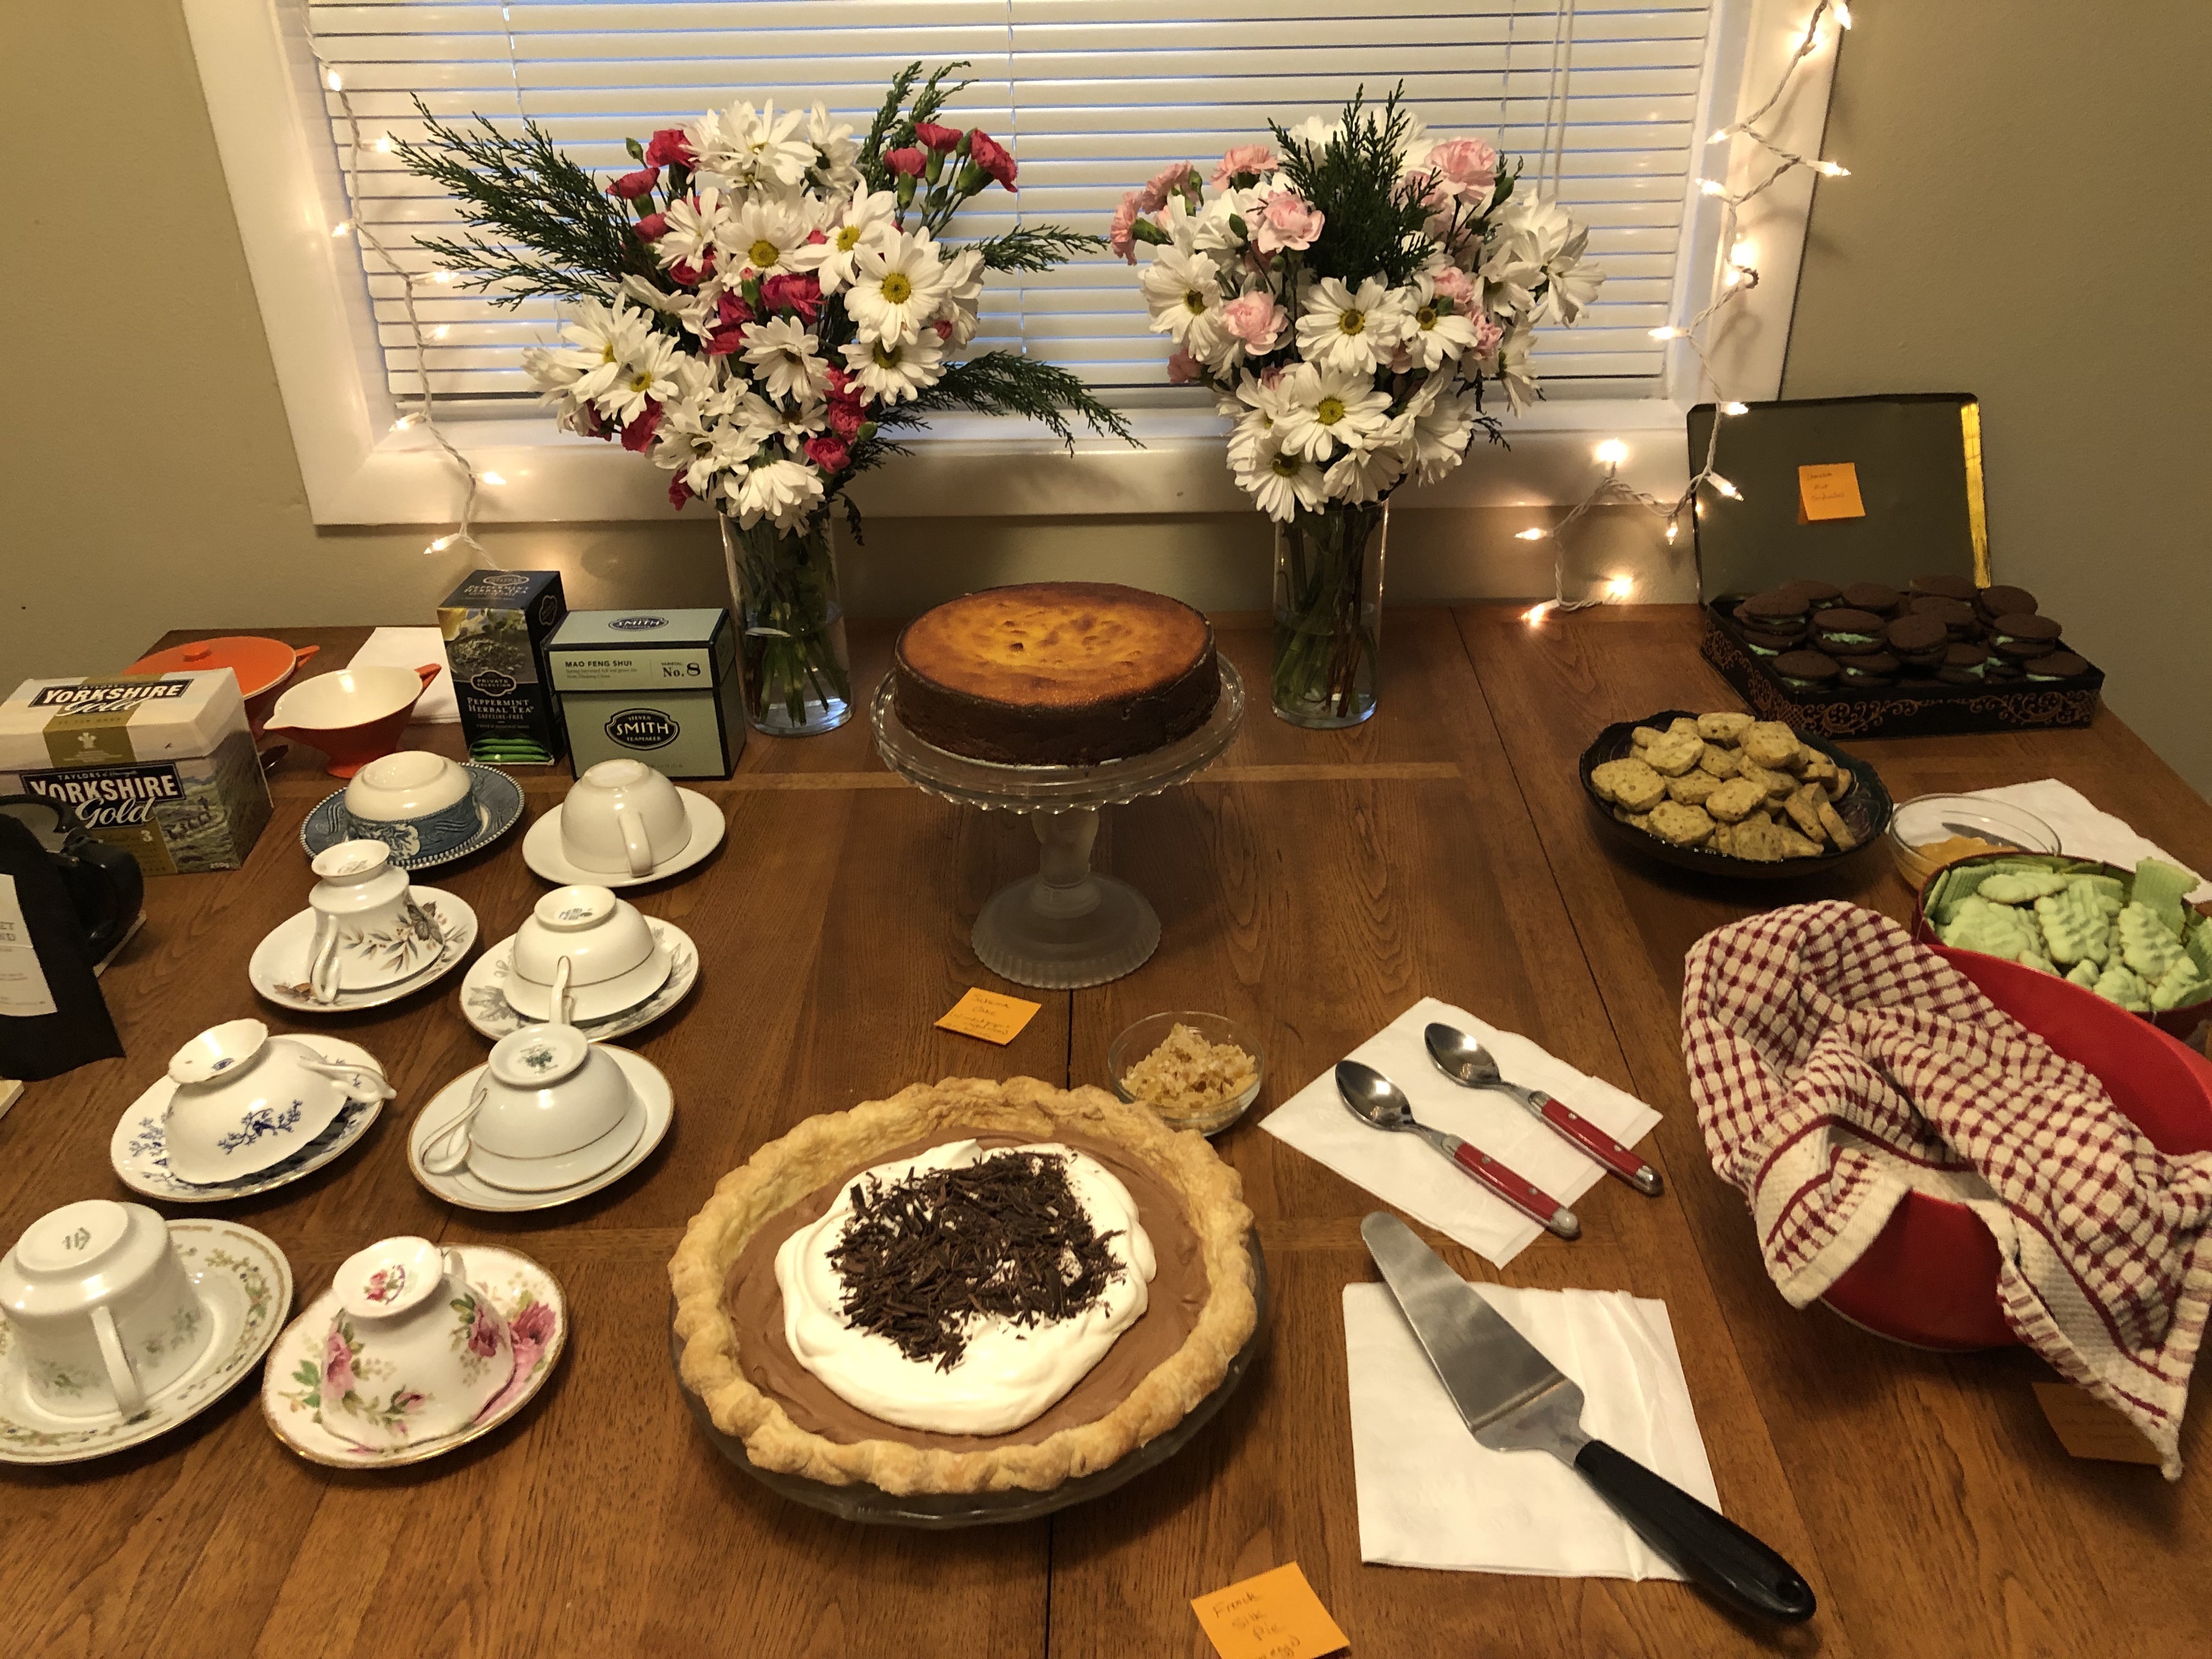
(2084, 830)
(1430, 1497)
(410, 649)
(1404, 1170)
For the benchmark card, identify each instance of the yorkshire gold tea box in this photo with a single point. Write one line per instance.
(161, 765)
(495, 625)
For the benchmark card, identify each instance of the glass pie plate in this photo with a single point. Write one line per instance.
(943, 1512)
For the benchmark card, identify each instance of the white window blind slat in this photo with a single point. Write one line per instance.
(1093, 96)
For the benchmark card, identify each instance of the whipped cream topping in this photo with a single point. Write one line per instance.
(1008, 1373)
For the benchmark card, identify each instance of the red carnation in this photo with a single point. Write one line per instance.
(801, 293)
(723, 341)
(829, 453)
(988, 154)
(678, 493)
(909, 161)
(669, 148)
(845, 416)
(638, 435)
(732, 309)
(839, 379)
(688, 274)
(652, 227)
(941, 139)
(631, 185)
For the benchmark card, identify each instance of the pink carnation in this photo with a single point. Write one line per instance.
(1454, 284)
(909, 161)
(1463, 166)
(786, 292)
(1288, 221)
(988, 154)
(637, 435)
(687, 275)
(1121, 235)
(830, 454)
(678, 494)
(941, 139)
(1171, 181)
(669, 148)
(845, 418)
(1257, 321)
(1245, 158)
(652, 227)
(1488, 330)
(631, 185)
(1182, 367)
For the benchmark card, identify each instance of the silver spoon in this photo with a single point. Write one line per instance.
(1381, 1104)
(1462, 1057)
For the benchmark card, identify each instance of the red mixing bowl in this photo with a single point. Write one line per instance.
(1930, 1276)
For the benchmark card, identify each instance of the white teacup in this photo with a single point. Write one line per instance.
(369, 930)
(624, 818)
(246, 1101)
(415, 1351)
(417, 803)
(614, 963)
(552, 1109)
(102, 1306)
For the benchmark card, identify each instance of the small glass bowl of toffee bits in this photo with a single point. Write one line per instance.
(1196, 1071)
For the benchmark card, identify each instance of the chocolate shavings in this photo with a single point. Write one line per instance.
(1006, 1237)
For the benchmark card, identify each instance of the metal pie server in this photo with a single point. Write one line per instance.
(1513, 1399)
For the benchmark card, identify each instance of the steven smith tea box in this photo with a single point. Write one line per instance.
(160, 764)
(495, 625)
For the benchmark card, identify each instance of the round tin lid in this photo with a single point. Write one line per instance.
(258, 663)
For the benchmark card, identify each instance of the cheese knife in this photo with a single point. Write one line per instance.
(1513, 1399)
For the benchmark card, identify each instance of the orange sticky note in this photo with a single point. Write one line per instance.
(2087, 1427)
(987, 1015)
(1274, 1616)
(1829, 491)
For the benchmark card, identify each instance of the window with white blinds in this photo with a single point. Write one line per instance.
(1093, 96)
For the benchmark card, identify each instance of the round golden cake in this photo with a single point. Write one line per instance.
(1055, 673)
(730, 1319)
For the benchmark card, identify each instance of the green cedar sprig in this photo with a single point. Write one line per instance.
(1370, 229)
(1005, 383)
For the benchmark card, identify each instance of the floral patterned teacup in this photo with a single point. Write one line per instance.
(246, 1101)
(369, 931)
(415, 1351)
(103, 1308)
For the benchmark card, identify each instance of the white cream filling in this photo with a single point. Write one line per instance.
(1008, 1374)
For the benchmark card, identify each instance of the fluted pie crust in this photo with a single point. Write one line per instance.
(823, 1148)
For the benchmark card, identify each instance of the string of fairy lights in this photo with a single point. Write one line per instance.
(1739, 274)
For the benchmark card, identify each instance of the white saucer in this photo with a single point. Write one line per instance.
(290, 1387)
(484, 994)
(247, 1285)
(138, 1151)
(284, 951)
(541, 848)
(647, 1086)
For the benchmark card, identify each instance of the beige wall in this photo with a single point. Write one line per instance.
(147, 478)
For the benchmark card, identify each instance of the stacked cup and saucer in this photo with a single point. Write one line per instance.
(241, 1112)
(429, 809)
(622, 824)
(116, 1326)
(366, 938)
(413, 1351)
(625, 968)
(549, 1118)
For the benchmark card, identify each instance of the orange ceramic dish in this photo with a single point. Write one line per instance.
(262, 665)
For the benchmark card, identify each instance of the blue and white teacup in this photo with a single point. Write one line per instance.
(417, 803)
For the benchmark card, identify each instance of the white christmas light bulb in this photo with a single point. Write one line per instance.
(331, 80)
(1611, 453)
(441, 544)
(1843, 12)
(441, 331)
(1667, 332)
(1531, 534)
(1536, 613)
(1619, 587)
(1833, 170)
(384, 145)
(1712, 187)
(341, 229)
(495, 478)
(1723, 486)
(1735, 409)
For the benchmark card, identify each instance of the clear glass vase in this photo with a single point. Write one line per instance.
(1328, 614)
(797, 675)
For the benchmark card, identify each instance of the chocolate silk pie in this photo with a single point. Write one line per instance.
(972, 1287)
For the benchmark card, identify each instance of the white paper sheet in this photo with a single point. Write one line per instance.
(2085, 829)
(410, 649)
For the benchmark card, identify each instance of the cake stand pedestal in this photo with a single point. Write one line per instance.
(1066, 925)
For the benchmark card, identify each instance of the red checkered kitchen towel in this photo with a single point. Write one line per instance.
(1837, 1065)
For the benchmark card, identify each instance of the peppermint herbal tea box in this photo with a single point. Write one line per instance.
(659, 686)
(162, 765)
(495, 625)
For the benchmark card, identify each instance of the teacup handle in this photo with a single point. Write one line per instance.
(322, 959)
(365, 1079)
(562, 1006)
(440, 1157)
(129, 1398)
(637, 841)
(455, 1268)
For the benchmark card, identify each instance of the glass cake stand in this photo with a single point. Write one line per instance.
(945, 1511)
(1066, 925)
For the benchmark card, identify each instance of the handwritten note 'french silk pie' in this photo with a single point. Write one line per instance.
(971, 1286)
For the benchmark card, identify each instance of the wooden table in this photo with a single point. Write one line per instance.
(1313, 885)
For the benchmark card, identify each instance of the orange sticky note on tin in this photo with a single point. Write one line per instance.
(1830, 490)
(987, 1015)
(1274, 1616)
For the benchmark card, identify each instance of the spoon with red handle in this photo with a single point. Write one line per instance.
(1462, 1059)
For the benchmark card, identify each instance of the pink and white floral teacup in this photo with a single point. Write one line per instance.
(415, 1351)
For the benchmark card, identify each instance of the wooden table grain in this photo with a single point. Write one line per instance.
(1312, 886)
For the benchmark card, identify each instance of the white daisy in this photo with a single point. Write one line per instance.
(741, 148)
(837, 151)
(794, 423)
(1511, 367)
(688, 308)
(1363, 475)
(1183, 292)
(869, 221)
(1353, 331)
(1280, 482)
(896, 289)
(766, 237)
(1258, 408)
(696, 223)
(1317, 135)
(1434, 337)
(1210, 230)
(647, 372)
(963, 295)
(1440, 424)
(782, 354)
(601, 339)
(698, 450)
(1330, 410)
(895, 373)
(787, 492)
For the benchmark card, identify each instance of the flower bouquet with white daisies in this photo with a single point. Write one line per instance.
(762, 306)
(1348, 293)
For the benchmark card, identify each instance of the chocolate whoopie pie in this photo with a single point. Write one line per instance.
(1773, 620)
(2021, 637)
(1956, 615)
(1964, 664)
(1999, 669)
(1995, 602)
(1880, 669)
(1878, 597)
(1961, 588)
(1918, 640)
(1844, 632)
(1818, 594)
(2057, 665)
(1808, 670)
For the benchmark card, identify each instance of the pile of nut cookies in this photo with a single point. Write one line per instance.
(1731, 784)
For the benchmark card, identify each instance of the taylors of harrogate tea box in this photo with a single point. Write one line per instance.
(659, 686)
(495, 625)
(162, 765)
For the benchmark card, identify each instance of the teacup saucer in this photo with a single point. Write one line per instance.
(648, 1087)
(138, 1151)
(515, 1285)
(284, 951)
(246, 1285)
(499, 808)
(484, 994)
(541, 848)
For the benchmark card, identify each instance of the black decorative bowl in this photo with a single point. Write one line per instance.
(1864, 807)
